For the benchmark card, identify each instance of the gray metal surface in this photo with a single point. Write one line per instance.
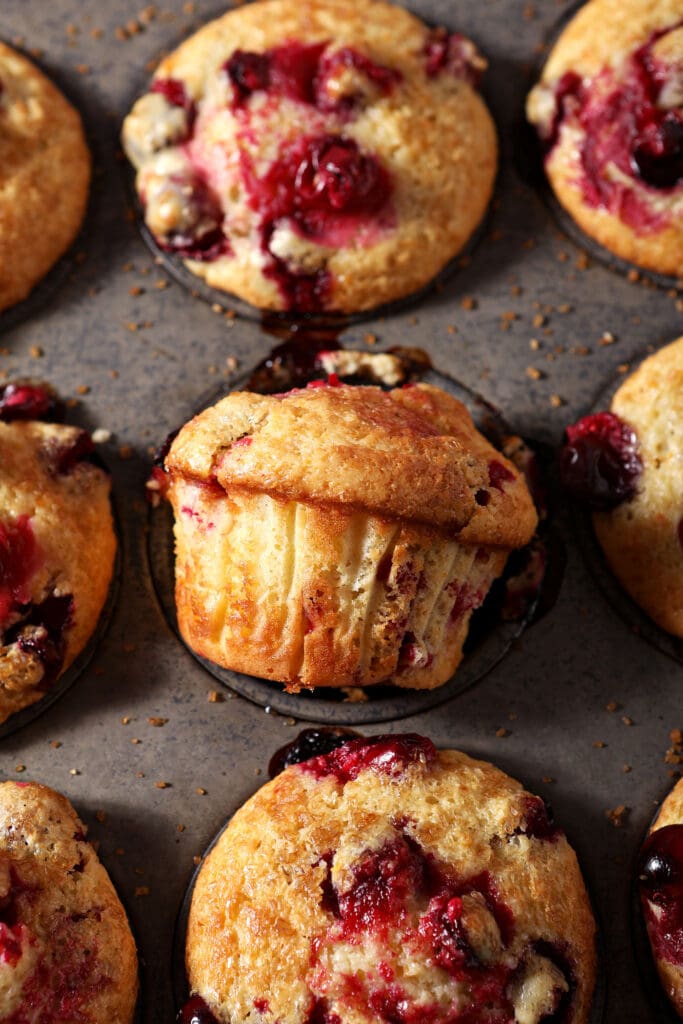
(146, 357)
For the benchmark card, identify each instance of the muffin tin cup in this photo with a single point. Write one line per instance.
(530, 164)
(181, 991)
(625, 607)
(64, 682)
(382, 703)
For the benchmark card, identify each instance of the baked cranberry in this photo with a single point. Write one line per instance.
(195, 1011)
(334, 62)
(333, 174)
(680, 532)
(19, 560)
(69, 455)
(538, 821)
(173, 90)
(248, 72)
(385, 754)
(499, 475)
(600, 463)
(660, 876)
(42, 634)
(384, 880)
(199, 233)
(568, 95)
(559, 957)
(442, 928)
(26, 402)
(660, 866)
(453, 52)
(309, 743)
(658, 153)
(320, 1013)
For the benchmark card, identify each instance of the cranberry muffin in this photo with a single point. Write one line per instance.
(660, 879)
(57, 546)
(66, 950)
(609, 111)
(628, 464)
(314, 155)
(44, 175)
(390, 881)
(339, 535)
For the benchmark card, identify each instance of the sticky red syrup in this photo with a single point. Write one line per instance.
(195, 1011)
(624, 125)
(388, 755)
(600, 463)
(660, 877)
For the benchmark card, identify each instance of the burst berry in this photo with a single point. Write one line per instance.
(600, 463)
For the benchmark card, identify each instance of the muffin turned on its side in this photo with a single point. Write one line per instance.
(339, 535)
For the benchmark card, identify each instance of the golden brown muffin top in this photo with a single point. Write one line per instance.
(411, 453)
(44, 175)
(67, 947)
(388, 870)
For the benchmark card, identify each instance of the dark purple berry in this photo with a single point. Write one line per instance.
(195, 1011)
(600, 463)
(658, 154)
(26, 402)
(309, 743)
(660, 866)
(248, 73)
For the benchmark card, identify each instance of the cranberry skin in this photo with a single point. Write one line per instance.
(309, 743)
(26, 402)
(195, 1011)
(19, 559)
(80, 450)
(248, 73)
(173, 90)
(334, 174)
(539, 822)
(658, 154)
(660, 866)
(600, 463)
(386, 754)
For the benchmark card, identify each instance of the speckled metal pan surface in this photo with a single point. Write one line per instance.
(580, 708)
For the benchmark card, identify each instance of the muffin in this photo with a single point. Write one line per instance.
(628, 463)
(390, 881)
(57, 547)
(44, 175)
(609, 113)
(660, 879)
(314, 155)
(339, 535)
(66, 950)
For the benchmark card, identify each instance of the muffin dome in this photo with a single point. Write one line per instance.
(314, 156)
(609, 110)
(387, 878)
(339, 535)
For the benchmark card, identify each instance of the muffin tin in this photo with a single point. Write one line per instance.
(138, 351)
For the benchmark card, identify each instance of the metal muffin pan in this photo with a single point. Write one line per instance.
(147, 351)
